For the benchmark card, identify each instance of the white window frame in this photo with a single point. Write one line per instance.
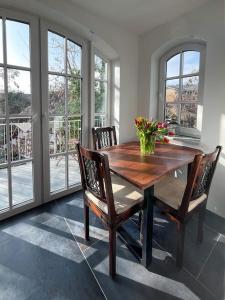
(35, 112)
(58, 29)
(191, 132)
(108, 81)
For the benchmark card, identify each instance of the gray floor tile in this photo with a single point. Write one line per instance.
(195, 254)
(39, 258)
(72, 210)
(47, 257)
(216, 222)
(133, 281)
(213, 273)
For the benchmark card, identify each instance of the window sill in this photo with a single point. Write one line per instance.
(188, 142)
(186, 139)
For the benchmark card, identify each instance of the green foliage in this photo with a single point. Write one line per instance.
(100, 86)
(19, 103)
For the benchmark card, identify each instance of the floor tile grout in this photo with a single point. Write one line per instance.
(206, 260)
(94, 243)
(86, 260)
(91, 243)
(188, 272)
(83, 251)
(214, 230)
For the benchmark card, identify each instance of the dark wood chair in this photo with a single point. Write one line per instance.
(104, 137)
(180, 200)
(111, 198)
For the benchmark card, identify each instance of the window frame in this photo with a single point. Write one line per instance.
(107, 115)
(200, 47)
(60, 30)
(34, 70)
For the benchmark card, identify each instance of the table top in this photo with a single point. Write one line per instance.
(144, 171)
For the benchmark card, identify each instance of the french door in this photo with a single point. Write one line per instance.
(64, 104)
(20, 141)
(43, 111)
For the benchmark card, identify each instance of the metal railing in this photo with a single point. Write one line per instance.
(100, 120)
(21, 137)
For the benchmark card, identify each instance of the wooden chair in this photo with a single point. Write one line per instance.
(104, 137)
(111, 198)
(180, 200)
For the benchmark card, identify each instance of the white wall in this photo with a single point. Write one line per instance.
(114, 41)
(206, 24)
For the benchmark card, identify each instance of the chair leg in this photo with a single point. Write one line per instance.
(201, 218)
(180, 245)
(112, 252)
(86, 221)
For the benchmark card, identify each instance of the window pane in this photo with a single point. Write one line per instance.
(19, 92)
(56, 52)
(100, 121)
(3, 143)
(18, 43)
(20, 131)
(74, 95)
(57, 173)
(173, 66)
(188, 117)
(190, 89)
(73, 58)
(172, 90)
(2, 92)
(191, 62)
(4, 192)
(22, 183)
(171, 113)
(100, 96)
(74, 131)
(57, 135)
(56, 94)
(100, 68)
(74, 173)
(1, 42)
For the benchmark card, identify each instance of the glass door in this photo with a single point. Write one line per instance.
(64, 118)
(19, 114)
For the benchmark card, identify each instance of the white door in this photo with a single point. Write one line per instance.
(64, 101)
(20, 148)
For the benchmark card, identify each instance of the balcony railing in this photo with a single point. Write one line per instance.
(21, 137)
(100, 120)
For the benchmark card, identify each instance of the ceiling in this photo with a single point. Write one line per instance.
(139, 16)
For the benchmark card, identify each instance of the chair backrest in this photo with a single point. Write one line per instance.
(104, 137)
(95, 176)
(200, 178)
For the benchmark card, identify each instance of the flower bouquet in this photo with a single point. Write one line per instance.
(150, 132)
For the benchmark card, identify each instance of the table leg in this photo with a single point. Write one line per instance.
(147, 227)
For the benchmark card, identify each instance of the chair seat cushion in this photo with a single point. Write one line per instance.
(125, 195)
(170, 190)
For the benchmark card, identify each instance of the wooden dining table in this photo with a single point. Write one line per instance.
(144, 171)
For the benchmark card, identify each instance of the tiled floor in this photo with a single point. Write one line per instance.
(43, 255)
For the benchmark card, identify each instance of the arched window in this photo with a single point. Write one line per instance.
(181, 88)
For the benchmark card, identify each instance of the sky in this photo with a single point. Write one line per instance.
(191, 61)
(18, 53)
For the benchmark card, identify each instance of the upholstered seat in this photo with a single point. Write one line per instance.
(170, 190)
(125, 195)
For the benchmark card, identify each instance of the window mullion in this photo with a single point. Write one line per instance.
(7, 113)
(66, 113)
(180, 86)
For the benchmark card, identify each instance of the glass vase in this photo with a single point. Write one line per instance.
(147, 144)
